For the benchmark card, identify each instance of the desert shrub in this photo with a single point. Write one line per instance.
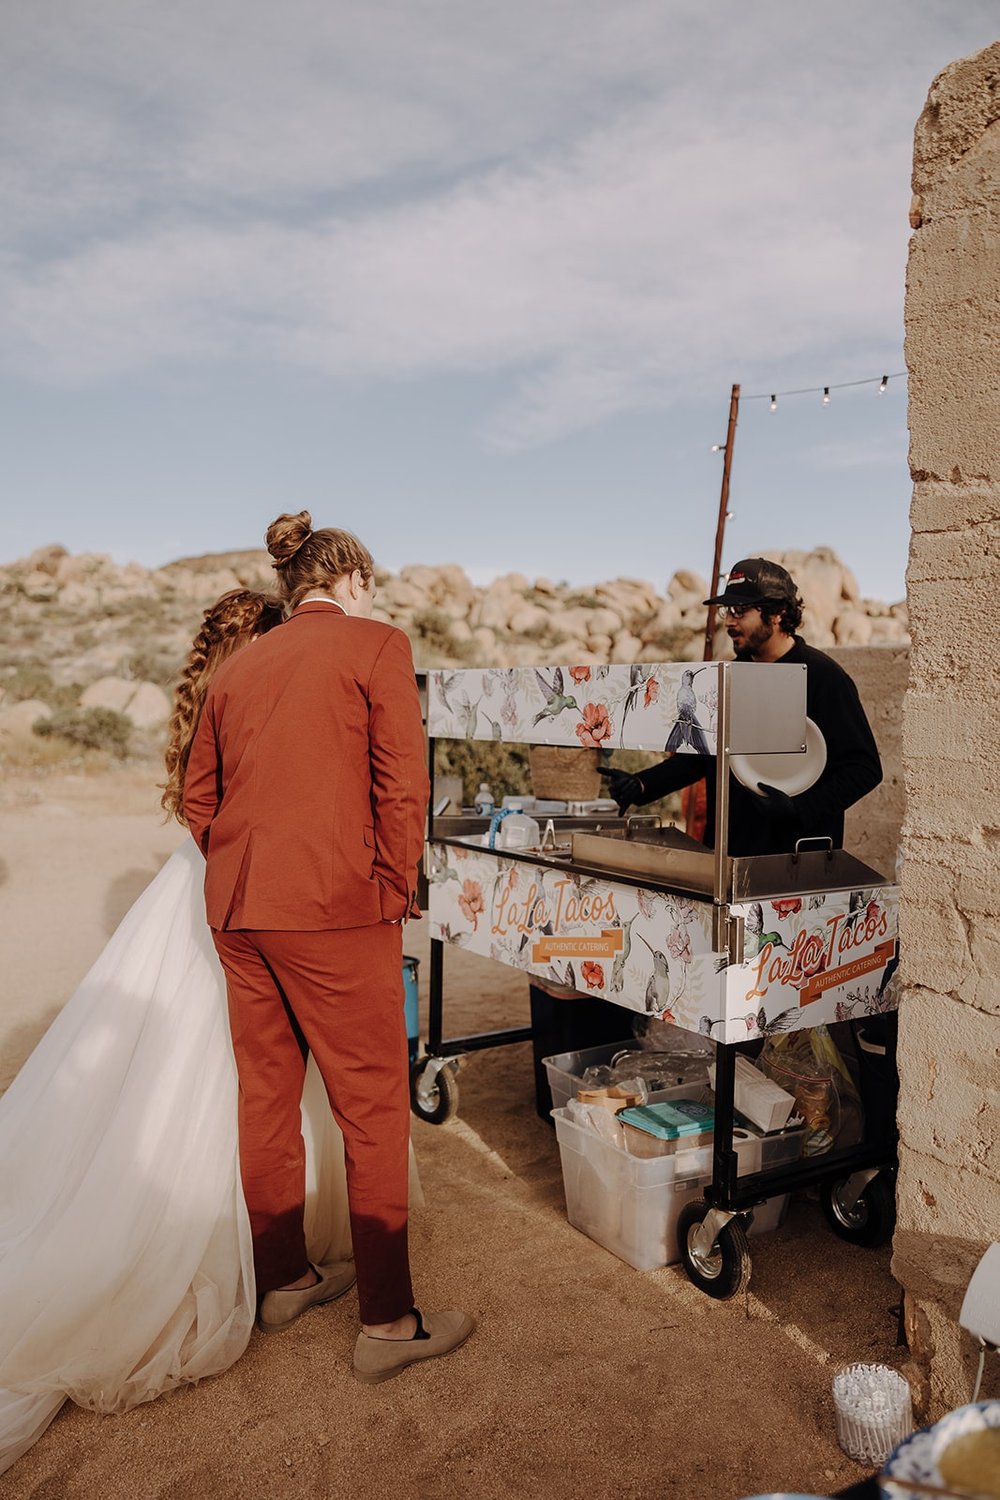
(503, 767)
(670, 644)
(144, 611)
(433, 643)
(20, 754)
(161, 667)
(30, 679)
(92, 728)
(543, 631)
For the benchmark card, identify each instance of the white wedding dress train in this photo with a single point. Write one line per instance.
(126, 1264)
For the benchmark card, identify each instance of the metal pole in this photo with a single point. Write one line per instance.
(720, 529)
(694, 797)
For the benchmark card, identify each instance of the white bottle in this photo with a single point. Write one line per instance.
(484, 803)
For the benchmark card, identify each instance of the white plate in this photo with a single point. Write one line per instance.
(916, 1457)
(792, 773)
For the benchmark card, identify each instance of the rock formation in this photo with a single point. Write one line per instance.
(119, 633)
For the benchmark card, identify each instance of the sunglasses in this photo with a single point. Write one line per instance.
(737, 611)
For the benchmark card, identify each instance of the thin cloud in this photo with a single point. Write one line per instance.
(888, 451)
(605, 204)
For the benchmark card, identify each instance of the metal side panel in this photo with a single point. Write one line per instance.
(683, 869)
(812, 870)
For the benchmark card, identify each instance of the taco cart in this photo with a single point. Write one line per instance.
(737, 950)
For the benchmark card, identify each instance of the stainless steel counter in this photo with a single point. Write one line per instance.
(641, 852)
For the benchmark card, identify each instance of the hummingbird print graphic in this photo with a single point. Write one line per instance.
(759, 1025)
(756, 1023)
(658, 988)
(556, 701)
(638, 676)
(753, 924)
(687, 730)
(468, 713)
(774, 938)
(618, 966)
(646, 902)
(445, 682)
(457, 939)
(496, 729)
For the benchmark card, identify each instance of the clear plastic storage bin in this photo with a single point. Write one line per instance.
(566, 1069)
(631, 1204)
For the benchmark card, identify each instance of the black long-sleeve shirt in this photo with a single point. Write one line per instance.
(852, 770)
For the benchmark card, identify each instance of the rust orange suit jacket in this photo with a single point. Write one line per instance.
(306, 786)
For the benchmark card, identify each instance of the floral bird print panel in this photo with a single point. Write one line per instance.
(649, 706)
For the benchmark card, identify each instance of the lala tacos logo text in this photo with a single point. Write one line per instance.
(808, 963)
(549, 914)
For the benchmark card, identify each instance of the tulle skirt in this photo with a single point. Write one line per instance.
(126, 1263)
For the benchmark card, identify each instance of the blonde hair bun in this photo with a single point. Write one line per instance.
(286, 535)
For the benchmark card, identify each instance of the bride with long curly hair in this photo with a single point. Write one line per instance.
(231, 622)
(126, 1264)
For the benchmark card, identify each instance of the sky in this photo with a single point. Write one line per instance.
(472, 280)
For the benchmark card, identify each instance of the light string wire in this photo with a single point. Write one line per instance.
(824, 390)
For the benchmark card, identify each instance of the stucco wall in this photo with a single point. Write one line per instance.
(873, 826)
(949, 1184)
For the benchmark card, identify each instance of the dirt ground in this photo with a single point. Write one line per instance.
(585, 1377)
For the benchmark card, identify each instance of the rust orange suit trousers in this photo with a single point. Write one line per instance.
(338, 994)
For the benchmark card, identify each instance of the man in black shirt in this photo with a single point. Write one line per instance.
(762, 610)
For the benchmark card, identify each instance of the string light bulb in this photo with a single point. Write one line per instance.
(730, 515)
(773, 397)
(717, 447)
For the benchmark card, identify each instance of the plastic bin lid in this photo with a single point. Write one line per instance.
(669, 1120)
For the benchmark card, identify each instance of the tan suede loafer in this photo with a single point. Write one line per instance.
(278, 1309)
(437, 1333)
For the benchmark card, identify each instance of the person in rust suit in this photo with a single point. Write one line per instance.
(306, 789)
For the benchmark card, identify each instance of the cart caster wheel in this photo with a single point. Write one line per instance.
(871, 1220)
(433, 1092)
(725, 1270)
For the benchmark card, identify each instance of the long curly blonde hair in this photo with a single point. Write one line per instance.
(230, 623)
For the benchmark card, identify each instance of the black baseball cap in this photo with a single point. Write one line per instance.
(754, 580)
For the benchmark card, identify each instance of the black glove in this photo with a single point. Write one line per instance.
(625, 788)
(777, 804)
